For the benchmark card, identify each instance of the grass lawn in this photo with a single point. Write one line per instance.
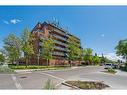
(123, 68)
(111, 71)
(87, 84)
(37, 67)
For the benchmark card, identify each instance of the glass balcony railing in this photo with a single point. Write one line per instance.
(40, 43)
(56, 30)
(42, 37)
(59, 48)
(60, 43)
(58, 53)
(62, 38)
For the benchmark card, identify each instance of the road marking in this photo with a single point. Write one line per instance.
(17, 84)
(63, 80)
(24, 73)
(53, 76)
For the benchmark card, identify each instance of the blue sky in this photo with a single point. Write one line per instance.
(98, 27)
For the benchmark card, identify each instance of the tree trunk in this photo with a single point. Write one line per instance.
(47, 62)
(70, 63)
(12, 62)
(79, 63)
(17, 62)
(26, 61)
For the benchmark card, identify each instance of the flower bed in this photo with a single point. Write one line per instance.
(87, 84)
(112, 71)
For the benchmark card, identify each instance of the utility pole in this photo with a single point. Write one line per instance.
(38, 57)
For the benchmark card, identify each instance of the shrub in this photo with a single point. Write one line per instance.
(111, 70)
(87, 84)
(28, 67)
(36, 67)
(4, 69)
(49, 85)
(123, 68)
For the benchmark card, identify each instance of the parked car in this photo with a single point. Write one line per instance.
(109, 66)
(115, 66)
(1, 63)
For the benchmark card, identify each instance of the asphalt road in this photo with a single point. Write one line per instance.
(37, 79)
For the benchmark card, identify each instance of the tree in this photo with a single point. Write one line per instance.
(27, 45)
(79, 54)
(47, 49)
(121, 48)
(2, 58)
(74, 52)
(96, 60)
(103, 59)
(12, 45)
(88, 58)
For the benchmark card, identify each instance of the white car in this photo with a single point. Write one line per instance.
(108, 66)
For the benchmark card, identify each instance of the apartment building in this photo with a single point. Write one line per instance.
(60, 37)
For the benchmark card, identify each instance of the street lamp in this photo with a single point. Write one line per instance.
(38, 57)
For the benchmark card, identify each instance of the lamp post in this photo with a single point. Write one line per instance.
(38, 57)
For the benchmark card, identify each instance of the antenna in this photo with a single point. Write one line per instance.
(55, 21)
(67, 28)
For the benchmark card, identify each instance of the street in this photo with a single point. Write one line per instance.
(37, 79)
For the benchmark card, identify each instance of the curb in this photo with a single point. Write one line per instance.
(66, 84)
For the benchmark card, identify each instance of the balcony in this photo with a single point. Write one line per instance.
(39, 30)
(42, 37)
(40, 43)
(58, 53)
(60, 37)
(58, 31)
(60, 43)
(59, 48)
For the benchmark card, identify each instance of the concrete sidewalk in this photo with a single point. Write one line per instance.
(51, 69)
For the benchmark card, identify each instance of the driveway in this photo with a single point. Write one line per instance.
(37, 79)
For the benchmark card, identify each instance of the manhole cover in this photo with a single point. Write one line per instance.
(23, 77)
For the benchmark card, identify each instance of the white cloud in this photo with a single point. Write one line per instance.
(102, 35)
(15, 21)
(12, 21)
(6, 22)
(114, 57)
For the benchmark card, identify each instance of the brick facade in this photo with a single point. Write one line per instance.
(60, 36)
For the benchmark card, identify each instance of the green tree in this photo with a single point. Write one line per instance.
(74, 52)
(2, 58)
(27, 45)
(96, 60)
(12, 45)
(88, 58)
(79, 54)
(121, 48)
(103, 59)
(47, 49)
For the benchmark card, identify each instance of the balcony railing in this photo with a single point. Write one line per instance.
(56, 30)
(42, 37)
(57, 36)
(40, 43)
(59, 48)
(58, 53)
(58, 42)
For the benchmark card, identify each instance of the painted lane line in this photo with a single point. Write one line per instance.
(63, 80)
(17, 84)
(53, 76)
(59, 84)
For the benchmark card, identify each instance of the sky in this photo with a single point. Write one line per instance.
(98, 27)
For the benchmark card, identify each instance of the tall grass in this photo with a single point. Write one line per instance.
(4, 69)
(49, 85)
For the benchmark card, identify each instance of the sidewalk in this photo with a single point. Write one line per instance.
(30, 70)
